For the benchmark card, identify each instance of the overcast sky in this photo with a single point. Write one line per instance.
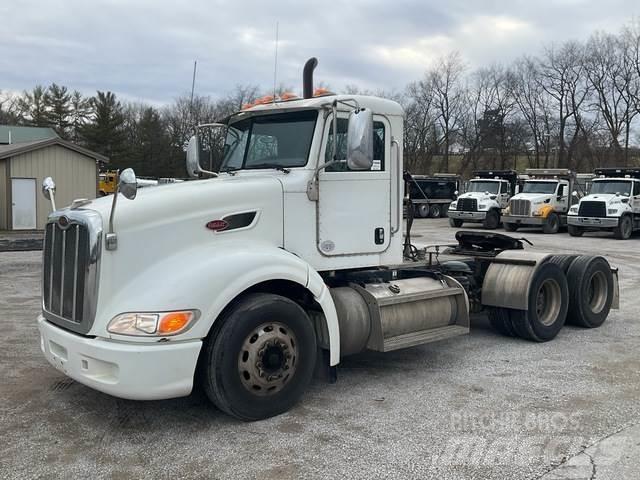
(144, 50)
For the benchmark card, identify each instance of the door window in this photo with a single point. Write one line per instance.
(341, 147)
(636, 188)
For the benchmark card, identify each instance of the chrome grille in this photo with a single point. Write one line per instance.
(70, 267)
(592, 209)
(467, 205)
(520, 207)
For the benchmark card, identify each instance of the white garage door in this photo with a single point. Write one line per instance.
(23, 206)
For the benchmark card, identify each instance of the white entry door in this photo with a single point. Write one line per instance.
(23, 203)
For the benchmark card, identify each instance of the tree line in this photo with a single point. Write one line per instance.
(574, 105)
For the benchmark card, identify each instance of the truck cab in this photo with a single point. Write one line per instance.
(544, 201)
(613, 204)
(248, 280)
(485, 197)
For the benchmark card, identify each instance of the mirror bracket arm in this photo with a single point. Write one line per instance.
(111, 240)
(312, 186)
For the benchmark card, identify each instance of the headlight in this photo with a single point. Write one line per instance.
(159, 324)
(612, 211)
(453, 206)
(573, 210)
(482, 207)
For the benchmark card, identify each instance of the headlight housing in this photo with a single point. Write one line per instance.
(482, 206)
(453, 205)
(153, 324)
(573, 210)
(612, 211)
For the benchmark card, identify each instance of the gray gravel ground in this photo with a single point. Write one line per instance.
(478, 406)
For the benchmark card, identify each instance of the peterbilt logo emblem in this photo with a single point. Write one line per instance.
(64, 222)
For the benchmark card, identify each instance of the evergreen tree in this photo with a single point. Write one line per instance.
(104, 133)
(33, 108)
(57, 102)
(80, 109)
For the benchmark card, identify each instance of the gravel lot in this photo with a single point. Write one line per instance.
(478, 406)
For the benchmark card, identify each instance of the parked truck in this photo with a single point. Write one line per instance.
(485, 197)
(248, 280)
(431, 195)
(613, 204)
(544, 200)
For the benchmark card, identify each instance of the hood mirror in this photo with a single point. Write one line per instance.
(360, 140)
(128, 185)
(49, 191)
(193, 157)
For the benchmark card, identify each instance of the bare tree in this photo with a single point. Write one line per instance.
(445, 80)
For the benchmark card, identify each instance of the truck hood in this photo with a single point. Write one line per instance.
(477, 195)
(608, 198)
(166, 220)
(533, 197)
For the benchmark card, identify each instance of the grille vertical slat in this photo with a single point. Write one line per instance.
(63, 263)
(75, 276)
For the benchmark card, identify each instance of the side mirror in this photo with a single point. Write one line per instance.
(574, 193)
(360, 140)
(193, 157)
(128, 185)
(49, 191)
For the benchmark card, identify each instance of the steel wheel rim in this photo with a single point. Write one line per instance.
(597, 292)
(267, 359)
(548, 301)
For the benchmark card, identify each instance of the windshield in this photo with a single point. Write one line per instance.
(539, 187)
(483, 186)
(611, 186)
(269, 141)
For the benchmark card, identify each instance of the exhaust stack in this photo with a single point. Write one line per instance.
(307, 77)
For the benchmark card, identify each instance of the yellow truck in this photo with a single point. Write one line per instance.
(107, 182)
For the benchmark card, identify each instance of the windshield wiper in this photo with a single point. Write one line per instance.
(270, 165)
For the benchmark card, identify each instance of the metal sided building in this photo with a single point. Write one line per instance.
(23, 167)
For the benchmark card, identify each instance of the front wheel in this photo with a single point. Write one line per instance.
(260, 361)
(455, 222)
(575, 231)
(624, 229)
(492, 220)
(552, 225)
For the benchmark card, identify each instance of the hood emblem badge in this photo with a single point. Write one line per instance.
(217, 225)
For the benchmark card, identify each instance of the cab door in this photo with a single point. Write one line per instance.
(504, 195)
(354, 207)
(562, 197)
(635, 199)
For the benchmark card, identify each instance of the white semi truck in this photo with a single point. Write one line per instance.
(613, 204)
(485, 197)
(248, 280)
(544, 200)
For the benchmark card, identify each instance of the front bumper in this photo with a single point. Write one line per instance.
(149, 371)
(592, 222)
(467, 216)
(523, 220)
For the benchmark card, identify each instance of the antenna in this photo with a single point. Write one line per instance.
(193, 86)
(275, 64)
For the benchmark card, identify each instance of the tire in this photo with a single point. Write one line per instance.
(548, 304)
(624, 229)
(511, 227)
(422, 210)
(455, 222)
(552, 224)
(445, 210)
(575, 231)
(435, 211)
(492, 220)
(563, 261)
(500, 321)
(259, 328)
(590, 291)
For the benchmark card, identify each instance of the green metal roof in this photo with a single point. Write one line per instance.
(21, 134)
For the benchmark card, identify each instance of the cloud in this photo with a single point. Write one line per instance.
(144, 49)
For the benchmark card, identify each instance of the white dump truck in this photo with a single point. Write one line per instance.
(544, 200)
(485, 197)
(613, 204)
(247, 281)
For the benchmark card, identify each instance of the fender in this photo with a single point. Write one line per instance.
(508, 279)
(209, 280)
